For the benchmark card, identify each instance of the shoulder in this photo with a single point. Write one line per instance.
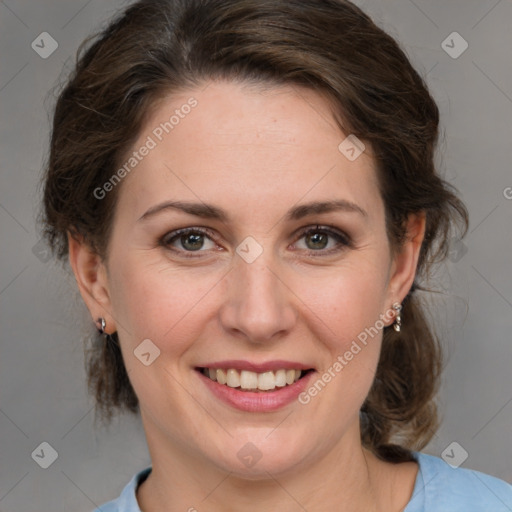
(127, 500)
(443, 488)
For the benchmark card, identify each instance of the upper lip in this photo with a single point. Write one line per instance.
(269, 366)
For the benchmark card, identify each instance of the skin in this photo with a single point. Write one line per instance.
(254, 152)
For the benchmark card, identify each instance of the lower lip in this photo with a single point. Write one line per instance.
(257, 402)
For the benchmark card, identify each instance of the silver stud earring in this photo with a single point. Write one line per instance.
(398, 319)
(101, 325)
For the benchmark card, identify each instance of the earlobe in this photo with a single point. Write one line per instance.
(91, 277)
(406, 258)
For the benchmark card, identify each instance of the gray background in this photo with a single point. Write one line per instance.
(43, 393)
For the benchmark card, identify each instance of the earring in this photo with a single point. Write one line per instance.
(102, 325)
(398, 319)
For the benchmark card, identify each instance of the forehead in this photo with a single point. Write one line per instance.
(239, 142)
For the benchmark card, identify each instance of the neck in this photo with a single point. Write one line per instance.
(347, 479)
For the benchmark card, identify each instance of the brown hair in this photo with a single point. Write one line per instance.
(156, 47)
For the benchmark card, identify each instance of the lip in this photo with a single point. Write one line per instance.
(269, 366)
(257, 402)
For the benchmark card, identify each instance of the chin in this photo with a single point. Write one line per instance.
(259, 459)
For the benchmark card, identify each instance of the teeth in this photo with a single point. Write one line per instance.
(247, 380)
(233, 378)
(266, 381)
(221, 377)
(280, 378)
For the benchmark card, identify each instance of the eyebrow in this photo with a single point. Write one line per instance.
(208, 211)
(203, 210)
(303, 210)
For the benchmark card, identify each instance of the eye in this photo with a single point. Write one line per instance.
(322, 239)
(188, 240)
(318, 240)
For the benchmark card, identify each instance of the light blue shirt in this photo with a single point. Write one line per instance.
(438, 488)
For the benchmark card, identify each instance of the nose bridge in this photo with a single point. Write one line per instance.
(260, 281)
(257, 302)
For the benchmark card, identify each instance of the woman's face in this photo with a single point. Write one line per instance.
(245, 239)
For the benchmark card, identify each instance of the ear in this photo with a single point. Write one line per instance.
(405, 260)
(91, 276)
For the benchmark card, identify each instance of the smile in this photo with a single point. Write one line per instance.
(246, 380)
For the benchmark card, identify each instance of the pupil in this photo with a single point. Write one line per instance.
(318, 240)
(192, 242)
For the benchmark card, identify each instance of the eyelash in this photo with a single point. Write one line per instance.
(342, 240)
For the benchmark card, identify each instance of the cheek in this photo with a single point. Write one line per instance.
(345, 310)
(165, 305)
(346, 315)
(348, 300)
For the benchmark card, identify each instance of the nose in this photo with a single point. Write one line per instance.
(259, 304)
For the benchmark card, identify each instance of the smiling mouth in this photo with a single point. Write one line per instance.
(245, 380)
